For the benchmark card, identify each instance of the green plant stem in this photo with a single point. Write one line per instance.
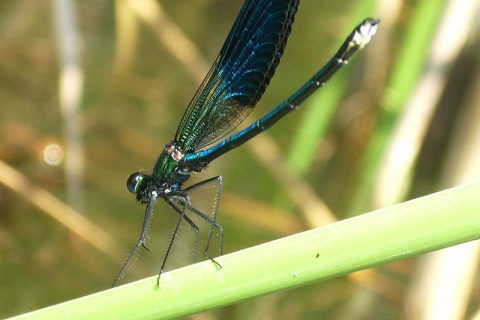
(429, 223)
(410, 63)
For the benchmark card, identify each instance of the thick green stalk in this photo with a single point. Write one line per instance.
(436, 221)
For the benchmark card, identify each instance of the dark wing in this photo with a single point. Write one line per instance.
(240, 74)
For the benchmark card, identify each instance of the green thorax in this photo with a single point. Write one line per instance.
(168, 168)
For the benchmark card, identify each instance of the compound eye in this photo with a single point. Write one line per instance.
(136, 183)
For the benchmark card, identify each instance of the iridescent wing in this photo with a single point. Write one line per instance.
(239, 75)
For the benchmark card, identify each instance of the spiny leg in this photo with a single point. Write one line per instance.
(218, 182)
(141, 241)
(205, 217)
(180, 201)
(175, 231)
(214, 225)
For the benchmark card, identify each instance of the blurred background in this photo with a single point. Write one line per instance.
(91, 91)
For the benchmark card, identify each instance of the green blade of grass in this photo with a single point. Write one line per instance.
(321, 108)
(411, 60)
(436, 221)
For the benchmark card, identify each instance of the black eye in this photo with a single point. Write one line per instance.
(136, 183)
